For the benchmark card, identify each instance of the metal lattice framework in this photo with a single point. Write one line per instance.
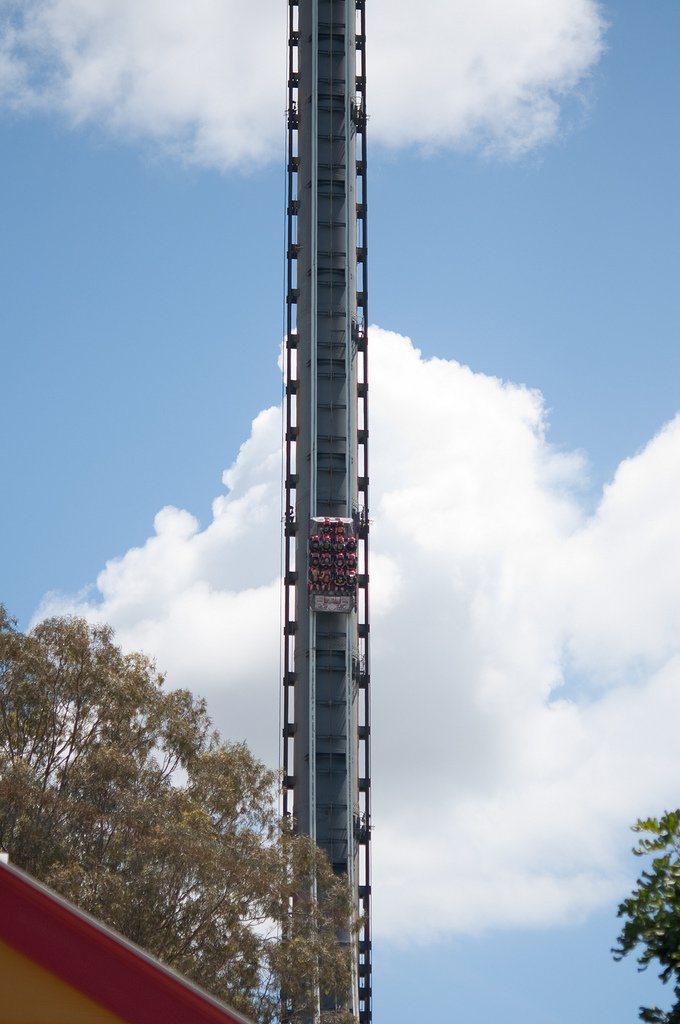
(326, 677)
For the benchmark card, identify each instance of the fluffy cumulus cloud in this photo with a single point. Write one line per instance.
(206, 80)
(526, 651)
(490, 74)
(205, 603)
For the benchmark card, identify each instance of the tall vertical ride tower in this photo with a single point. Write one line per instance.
(326, 731)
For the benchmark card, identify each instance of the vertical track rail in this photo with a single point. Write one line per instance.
(291, 390)
(300, 497)
(360, 343)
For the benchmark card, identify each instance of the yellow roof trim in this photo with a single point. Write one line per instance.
(33, 995)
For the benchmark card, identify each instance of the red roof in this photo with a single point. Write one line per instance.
(96, 961)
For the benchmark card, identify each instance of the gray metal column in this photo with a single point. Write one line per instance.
(326, 628)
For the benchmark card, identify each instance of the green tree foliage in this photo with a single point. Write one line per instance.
(652, 911)
(121, 796)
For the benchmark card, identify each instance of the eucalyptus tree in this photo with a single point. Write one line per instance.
(121, 795)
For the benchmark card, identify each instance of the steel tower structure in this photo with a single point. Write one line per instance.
(326, 680)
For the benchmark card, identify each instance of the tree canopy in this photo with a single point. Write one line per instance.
(122, 796)
(652, 911)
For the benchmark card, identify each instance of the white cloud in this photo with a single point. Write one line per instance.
(206, 80)
(205, 603)
(526, 653)
(489, 73)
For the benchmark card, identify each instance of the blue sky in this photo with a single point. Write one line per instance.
(141, 263)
